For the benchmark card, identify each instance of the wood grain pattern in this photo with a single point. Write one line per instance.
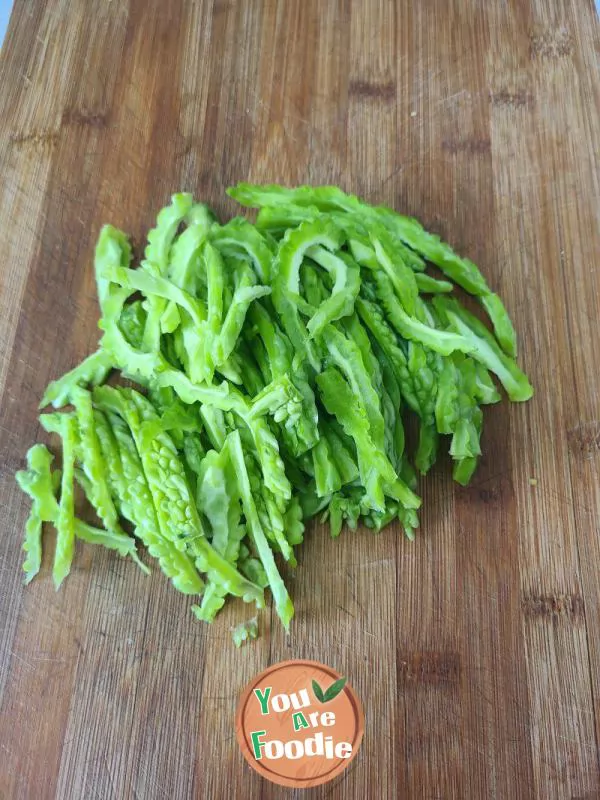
(475, 650)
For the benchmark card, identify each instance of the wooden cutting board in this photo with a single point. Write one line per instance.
(476, 649)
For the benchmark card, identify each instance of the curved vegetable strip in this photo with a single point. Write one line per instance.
(157, 253)
(277, 219)
(139, 280)
(427, 447)
(346, 276)
(461, 270)
(485, 349)
(442, 342)
(354, 330)
(184, 265)
(267, 451)
(324, 198)
(463, 470)
(92, 371)
(271, 511)
(283, 603)
(294, 524)
(457, 411)
(112, 250)
(160, 238)
(286, 283)
(245, 292)
(215, 270)
(486, 392)
(238, 236)
(215, 284)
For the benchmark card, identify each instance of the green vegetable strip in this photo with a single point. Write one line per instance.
(486, 350)
(347, 356)
(283, 603)
(429, 285)
(36, 482)
(503, 327)
(218, 503)
(161, 237)
(346, 275)
(271, 512)
(184, 263)
(94, 462)
(327, 476)
(138, 280)
(286, 284)
(124, 545)
(65, 522)
(245, 293)
(486, 392)
(410, 328)
(342, 457)
(427, 447)
(373, 319)
(239, 236)
(139, 508)
(132, 323)
(215, 287)
(93, 371)
(280, 360)
(401, 278)
(157, 253)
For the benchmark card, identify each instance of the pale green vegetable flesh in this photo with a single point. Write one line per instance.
(274, 365)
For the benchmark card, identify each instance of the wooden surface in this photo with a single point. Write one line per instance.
(475, 650)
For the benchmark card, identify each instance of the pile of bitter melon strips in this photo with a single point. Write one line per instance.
(275, 363)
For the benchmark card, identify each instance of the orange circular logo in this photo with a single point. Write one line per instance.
(299, 723)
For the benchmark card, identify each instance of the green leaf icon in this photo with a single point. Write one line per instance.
(332, 692)
(335, 689)
(318, 692)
